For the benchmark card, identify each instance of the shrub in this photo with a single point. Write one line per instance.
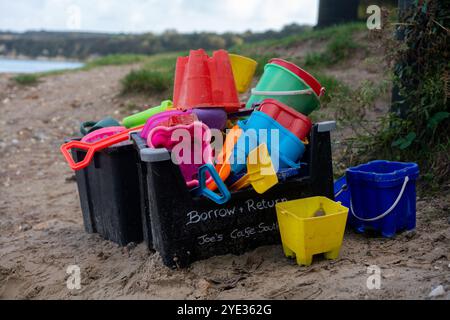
(146, 81)
(26, 79)
(116, 59)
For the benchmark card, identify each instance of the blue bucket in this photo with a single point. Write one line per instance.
(383, 196)
(289, 147)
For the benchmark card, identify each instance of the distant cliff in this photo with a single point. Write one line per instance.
(81, 45)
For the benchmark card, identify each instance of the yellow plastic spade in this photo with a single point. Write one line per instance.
(260, 171)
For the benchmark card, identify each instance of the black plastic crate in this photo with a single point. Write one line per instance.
(140, 144)
(110, 194)
(186, 228)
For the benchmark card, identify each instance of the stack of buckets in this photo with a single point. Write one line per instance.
(284, 96)
(289, 84)
(378, 196)
(282, 100)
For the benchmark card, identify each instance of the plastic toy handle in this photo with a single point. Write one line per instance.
(281, 93)
(85, 126)
(343, 188)
(65, 149)
(241, 183)
(225, 197)
(381, 216)
(223, 166)
(91, 148)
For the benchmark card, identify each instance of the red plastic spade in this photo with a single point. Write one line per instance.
(92, 148)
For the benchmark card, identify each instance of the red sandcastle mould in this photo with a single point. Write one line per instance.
(203, 81)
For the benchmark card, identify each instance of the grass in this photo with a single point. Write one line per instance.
(146, 81)
(339, 48)
(262, 61)
(26, 79)
(116, 60)
(324, 34)
(155, 76)
(157, 73)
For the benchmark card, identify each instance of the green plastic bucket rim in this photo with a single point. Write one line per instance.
(281, 93)
(291, 73)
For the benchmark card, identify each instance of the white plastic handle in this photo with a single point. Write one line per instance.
(343, 188)
(281, 93)
(381, 216)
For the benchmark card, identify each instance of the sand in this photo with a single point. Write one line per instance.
(41, 231)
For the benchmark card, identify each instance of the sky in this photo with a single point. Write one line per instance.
(155, 15)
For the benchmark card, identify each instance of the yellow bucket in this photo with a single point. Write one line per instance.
(243, 70)
(311, 226)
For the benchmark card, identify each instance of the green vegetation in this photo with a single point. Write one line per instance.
(159, 68)
(146, 81)
(340, 45)
(418, 128)
(324, 34)
(339, 48)
(115, 60)
(262, 60)
(26, 79)
(155, 76)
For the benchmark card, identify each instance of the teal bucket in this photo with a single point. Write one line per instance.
(285, 86)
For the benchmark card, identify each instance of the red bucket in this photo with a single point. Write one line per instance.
(305, 76)
(294, 121)
(204, 82)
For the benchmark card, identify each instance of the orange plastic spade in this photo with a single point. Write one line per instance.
(92, 148)
(223, 164)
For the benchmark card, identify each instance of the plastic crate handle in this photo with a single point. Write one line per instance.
(381, 216)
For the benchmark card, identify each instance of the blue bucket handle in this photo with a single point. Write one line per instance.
(344, 187)
(203, 190)
(381, 216)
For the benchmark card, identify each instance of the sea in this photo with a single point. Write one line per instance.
(35, 66)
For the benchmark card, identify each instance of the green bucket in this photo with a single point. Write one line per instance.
(283, 85)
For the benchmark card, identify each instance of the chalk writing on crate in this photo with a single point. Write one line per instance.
(245, 232)
(250, 206)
